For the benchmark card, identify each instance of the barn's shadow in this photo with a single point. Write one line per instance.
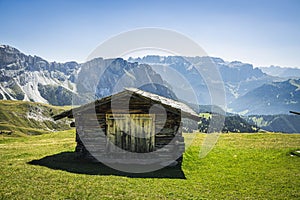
(67, 161)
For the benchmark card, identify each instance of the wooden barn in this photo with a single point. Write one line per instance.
(132, 125)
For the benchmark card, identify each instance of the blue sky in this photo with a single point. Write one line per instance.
(261, 32)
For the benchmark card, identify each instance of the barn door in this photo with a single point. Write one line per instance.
(135, 132)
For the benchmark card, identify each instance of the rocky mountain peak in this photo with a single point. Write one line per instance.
(10, 56)
(32, 78)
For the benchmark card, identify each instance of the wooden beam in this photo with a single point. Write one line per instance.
(296, 113)
(64, 114)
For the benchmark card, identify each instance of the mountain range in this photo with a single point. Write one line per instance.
(276, 96)
(31, 78)
(281, 71)
(248, 90)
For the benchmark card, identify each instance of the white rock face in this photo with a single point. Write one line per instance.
(31, 78)
(21, 76)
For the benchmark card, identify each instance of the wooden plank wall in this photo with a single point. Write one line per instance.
(131, 132)
(91, 130)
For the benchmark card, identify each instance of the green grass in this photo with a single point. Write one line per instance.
(241, 166)
(205, 115)
(29, 118)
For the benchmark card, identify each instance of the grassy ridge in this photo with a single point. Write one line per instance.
(241, 166)
(21, 118)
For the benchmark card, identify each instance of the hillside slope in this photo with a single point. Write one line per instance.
(232, 123)
(276, 123)
(264, 100)
(21, 117)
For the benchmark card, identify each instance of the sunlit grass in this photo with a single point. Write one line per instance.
(241, 166)
(19, 118)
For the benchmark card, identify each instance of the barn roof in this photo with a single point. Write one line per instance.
(186, 111)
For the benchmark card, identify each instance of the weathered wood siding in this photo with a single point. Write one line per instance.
(130, 126)
(131, 132)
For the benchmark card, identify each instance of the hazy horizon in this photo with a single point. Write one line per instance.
(126, 57)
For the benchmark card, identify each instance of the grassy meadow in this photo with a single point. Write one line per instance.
(21, 118)
(241, 166)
